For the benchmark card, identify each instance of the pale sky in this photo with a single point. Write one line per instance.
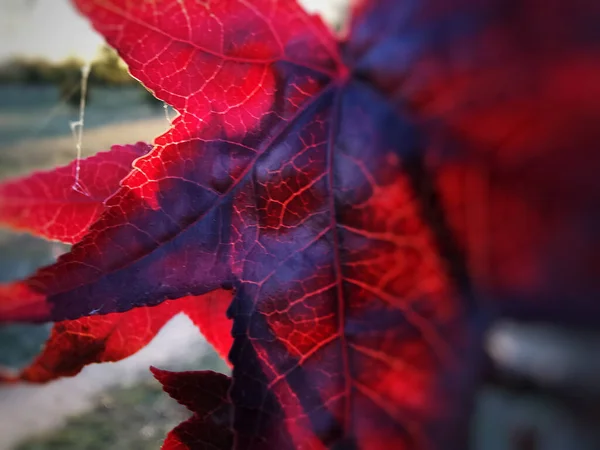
(46, 28)
(54, 30)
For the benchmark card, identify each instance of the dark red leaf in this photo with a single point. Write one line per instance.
(223, 71)
(73, 344)
(210, 316)
(49, 204)
(161, 201)
(28, 203)
(205, 394)
(319, 191)
(505, 99)
(347, 325)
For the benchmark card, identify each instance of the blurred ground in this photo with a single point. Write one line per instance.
(134, 418)
(27, 410)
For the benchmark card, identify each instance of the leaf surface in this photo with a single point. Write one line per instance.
(312, 177)
(205, 394)
(295, 192)
(184, 187)
(73, 344)
(48, 204)
(504, 97)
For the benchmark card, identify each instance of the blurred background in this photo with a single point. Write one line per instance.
(541, 384)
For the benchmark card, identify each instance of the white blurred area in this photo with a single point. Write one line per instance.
(49, 29)
(333, 12)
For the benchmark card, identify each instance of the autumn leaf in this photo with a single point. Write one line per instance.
(47, 205)
(73, 344)
(328, 181)
(205, 394)
(283, 178)
(505, 99)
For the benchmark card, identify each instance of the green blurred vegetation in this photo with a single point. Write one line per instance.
(107, 70)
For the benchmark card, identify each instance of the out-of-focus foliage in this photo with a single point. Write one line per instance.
(107, 70)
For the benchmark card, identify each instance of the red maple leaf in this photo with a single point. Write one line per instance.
(46, 204)
(73, 344)
(204, 394)
(367, 199)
